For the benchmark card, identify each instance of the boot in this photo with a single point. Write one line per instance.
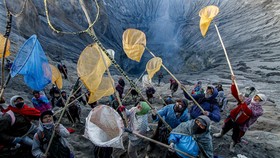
(231, 147)
(218, 135)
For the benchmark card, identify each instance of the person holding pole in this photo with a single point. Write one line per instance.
(173, 114)
(59, 147)
(243, 116)
(192, 137)
(138, 122)
(208, 102)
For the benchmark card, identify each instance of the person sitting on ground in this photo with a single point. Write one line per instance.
(74, 110)
(41, 102)
(208, 103)
(221, 98)
(192, 137)
(246, 113)
(150, 91)
(138, 122)
(54, 94)
(61, 101)
(134, 94)
(16, 125)
(60, 147)
(78, 89)
(173, 114)
(173, 86)
(197, 88)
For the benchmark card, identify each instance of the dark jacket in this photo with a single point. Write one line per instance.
(208, 104)
(9, 131)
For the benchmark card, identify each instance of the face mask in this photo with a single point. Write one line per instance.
(19, 105)
(48, 125)
(197, 129)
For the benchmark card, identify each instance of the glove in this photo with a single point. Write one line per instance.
(171, 145)
(17, 140)
(121, 108)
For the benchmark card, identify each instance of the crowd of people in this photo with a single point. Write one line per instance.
(183, 123)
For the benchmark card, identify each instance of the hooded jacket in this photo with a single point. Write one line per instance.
(37, 151)
(170, 116)
(185, 129)
(208, 104)
(257, 111)
(137, 123)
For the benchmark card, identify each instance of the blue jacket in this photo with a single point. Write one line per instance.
(169, 115)
(187, 141)
(208, 104)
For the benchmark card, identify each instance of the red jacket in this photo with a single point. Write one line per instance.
(241, 113)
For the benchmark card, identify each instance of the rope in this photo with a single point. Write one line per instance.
(15, 14)
(71, 33)
(131, 88)
(127, 78)
(95, 39)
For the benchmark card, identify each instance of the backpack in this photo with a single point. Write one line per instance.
(57, 149)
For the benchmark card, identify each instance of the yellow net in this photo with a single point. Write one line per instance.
(2, 45)
(105, 89)
(206, 16)
(56, 77)
(134, 42)
(91, 67)
(153, 66)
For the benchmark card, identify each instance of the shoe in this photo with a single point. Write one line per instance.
(231, 147)
(218, 135)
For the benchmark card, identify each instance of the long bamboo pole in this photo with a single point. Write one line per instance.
(160, 143)
(176, 80)
(225, 51)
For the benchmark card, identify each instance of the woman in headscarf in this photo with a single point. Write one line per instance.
(243, 116)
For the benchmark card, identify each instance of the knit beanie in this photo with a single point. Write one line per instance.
(48, 112)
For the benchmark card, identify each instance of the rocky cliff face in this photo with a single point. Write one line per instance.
(250, 31)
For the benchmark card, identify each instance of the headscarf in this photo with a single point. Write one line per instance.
(145, 108)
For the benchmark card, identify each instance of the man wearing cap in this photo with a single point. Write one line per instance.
(138, 122)
(208, 103)
(173, 114)
(192, 137)
(15, 125)
(243, 116)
